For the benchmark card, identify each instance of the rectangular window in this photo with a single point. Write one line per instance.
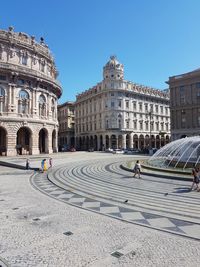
(161, 109)
(134, 105)
(127, 104)
(135, 124)
(112, 104)
(156, 108)
(120, 103)
(140, 106)
(2, 78)
(157, 126)
(24, 60)
(198, 85)
(141, 126)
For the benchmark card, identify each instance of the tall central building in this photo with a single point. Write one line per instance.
(117, 113)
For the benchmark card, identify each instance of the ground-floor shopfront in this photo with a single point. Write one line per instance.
(121, 141)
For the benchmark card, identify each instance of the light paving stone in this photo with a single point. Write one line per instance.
(109, 209)
(192, 230)
(160, 222)
(58, 192)
(132, 215)
(65, 195)
(76, 200)
(91, 204)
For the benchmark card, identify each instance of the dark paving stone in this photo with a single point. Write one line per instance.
(68, 233)
(103, 204)
(117, 254)
(150, 216)
(122, 209)
(174, 229)
(90, 200)
(180, 222)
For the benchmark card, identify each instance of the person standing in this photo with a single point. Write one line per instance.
(27, 164)
(50, 163)
(137, 169)
(42, 165)
(195, 173)
(45, 165)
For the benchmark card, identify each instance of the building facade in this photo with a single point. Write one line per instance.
(28, 95)
(117, 113)
(66, 114)
(185, 104)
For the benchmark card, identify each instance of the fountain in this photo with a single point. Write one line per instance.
(180, 154)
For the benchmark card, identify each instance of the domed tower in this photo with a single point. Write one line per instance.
(113, 69)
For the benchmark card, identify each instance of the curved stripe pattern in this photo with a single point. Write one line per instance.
(102, 186)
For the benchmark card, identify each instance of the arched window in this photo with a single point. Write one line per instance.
(53, 108)
(23, 102)
(2, 99)
(42, 105)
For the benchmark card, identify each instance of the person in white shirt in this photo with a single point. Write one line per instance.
(137, 169)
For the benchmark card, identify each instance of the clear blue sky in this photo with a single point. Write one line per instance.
(154, 39)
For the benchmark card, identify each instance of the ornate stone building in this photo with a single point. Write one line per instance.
(185, 104)
(28, 95)
(117, 113)
(66, 114)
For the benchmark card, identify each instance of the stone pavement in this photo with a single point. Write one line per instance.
(33, 226)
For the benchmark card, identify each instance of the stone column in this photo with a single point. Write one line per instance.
(48, 143)
(9, 98)
(124, 141)
(109, 141)
(131, 140)
(117, 146)
(35, 143)
(98, 142)
(11, 143)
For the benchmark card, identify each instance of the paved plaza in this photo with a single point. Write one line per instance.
(76, 215)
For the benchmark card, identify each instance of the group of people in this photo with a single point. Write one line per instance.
(195, 173)
(44, 166)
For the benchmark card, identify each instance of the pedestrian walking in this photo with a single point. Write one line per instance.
(27, 164)
(50, 163)
(195, 173)
(137, 169)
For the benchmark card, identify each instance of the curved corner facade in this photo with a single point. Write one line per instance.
(28, 96)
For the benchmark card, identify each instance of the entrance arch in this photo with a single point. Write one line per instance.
(24, 141)
(3, 142)
(43, 141)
